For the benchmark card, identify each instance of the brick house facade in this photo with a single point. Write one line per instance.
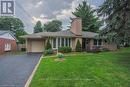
(8, 42)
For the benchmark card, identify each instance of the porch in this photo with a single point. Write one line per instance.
(89, 44)
(97, 45)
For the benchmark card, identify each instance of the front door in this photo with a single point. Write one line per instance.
(85, 44)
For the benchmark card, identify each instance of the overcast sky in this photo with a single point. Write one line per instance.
(30, 11)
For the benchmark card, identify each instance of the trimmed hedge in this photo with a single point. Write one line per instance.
(64, 49)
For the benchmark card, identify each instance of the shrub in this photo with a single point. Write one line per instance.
(23, 49)
(48, 45)
(61, 49)
(48, 52)
(78, 46)
(64, 49)
(126, 45)
(105, 49)
(60, 55)
(96, 50)
(68, 49)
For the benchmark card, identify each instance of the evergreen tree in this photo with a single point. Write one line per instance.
(90, 22)
(116, 14)
(38, 27)
(78, 46)
(48, 45)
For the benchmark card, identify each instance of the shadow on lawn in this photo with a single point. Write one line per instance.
(124, 59)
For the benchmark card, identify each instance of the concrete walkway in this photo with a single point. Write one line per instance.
(16, 69)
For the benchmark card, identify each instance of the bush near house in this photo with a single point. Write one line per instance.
(60, 55)
(48, 48)
(78, 46)
(105, 50)
(64, 49)
(48, 45)
(23, 49)
(48, 52)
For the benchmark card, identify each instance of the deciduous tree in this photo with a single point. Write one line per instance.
(13, 24)
(53, 26)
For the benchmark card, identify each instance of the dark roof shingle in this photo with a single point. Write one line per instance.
(65, 33)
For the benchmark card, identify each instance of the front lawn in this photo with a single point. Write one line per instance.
(107, 69)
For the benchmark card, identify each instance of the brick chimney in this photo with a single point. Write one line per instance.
(76, 26)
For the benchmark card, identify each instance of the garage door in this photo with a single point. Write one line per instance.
(37, 46)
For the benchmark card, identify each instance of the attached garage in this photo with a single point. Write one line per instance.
(34, 45)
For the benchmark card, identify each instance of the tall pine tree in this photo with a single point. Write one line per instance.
(116, 14)
(38, 27)
(90, 22)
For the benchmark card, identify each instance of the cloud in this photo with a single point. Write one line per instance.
(67, 13)
(47, 10)
(39, 4)
(93, 7)
(43, 16)
(43, 20)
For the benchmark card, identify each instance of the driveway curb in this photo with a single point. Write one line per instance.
(32, 74)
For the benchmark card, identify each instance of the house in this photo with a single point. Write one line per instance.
(37, 42)
(7, 42)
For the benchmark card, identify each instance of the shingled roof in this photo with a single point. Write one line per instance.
(89, 34)
(2, 32)
(65, 33)
(7, 31)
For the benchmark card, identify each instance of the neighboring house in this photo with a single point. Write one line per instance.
(37, 42)
(7, 42)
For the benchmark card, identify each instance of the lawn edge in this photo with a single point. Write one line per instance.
(28, 82)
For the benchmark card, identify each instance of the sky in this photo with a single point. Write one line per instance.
(31, 11)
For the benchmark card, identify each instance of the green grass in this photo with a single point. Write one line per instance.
(106, 69)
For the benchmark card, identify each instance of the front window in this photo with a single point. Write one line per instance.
(62, 44)
(100, 42)
(66, 42)
(54, 42)
(97, 42)
(69, 42)
(7, 47)
(59, 42)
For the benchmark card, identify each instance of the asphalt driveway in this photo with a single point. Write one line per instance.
(16, 69)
